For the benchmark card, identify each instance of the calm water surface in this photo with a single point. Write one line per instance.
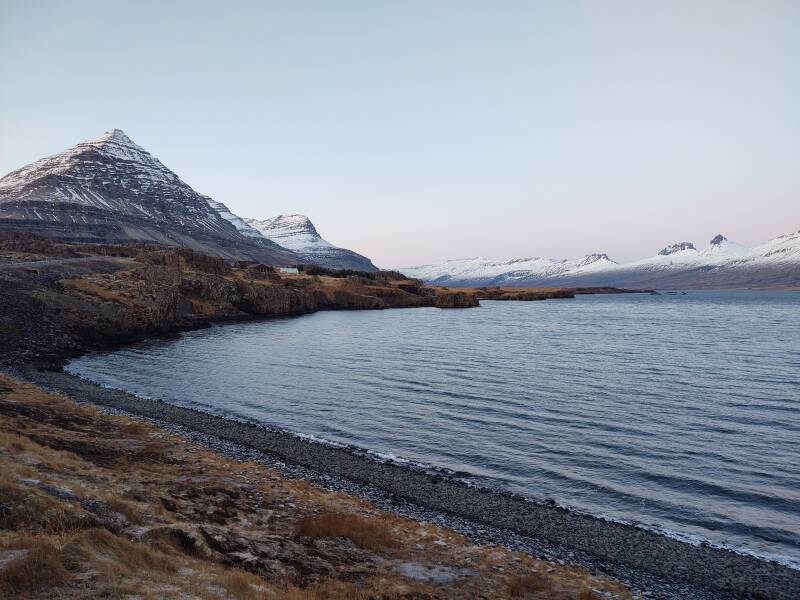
(680, 412)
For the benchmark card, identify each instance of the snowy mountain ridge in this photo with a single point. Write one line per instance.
(290, 231)
(721, 263)
(298, 234)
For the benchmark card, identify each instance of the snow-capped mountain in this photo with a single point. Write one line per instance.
(721, 264)
(110, 189)
(471, 270)
(298, 234)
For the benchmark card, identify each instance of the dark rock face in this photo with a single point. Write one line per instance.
(673, 248)
(718, 239)
(111, 190)
(593, 258)
(455, 300)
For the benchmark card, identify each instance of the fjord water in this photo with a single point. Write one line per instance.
(680, 412)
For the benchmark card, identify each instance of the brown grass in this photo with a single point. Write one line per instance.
(587, 595)
(30, 510)
(117, 554)
(155, 451)
(372, 533)
(519, 586)
(326, 590)
(135, 428)
(18, 443)
(127, 509)
(40, 566)
(91, 288)
(241, 584)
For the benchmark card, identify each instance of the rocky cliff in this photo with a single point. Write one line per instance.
(59, 299)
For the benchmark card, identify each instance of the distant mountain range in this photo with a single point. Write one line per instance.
(720, 265)
(109, 189)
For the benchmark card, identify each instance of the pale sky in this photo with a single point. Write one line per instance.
(419, 131)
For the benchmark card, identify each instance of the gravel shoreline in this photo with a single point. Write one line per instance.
(645, 560)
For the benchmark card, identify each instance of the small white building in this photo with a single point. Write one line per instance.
(287, 269)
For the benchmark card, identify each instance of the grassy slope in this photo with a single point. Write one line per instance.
(95, 505)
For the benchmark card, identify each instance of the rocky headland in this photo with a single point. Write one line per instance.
(59, 299)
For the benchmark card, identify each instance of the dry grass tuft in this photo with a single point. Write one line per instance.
(18, 443)
(40, 566)
(27, 509)
(125, 508)
(18, 540)
(241, 584)
(587, 595)
(371, 533)
(519, 586)
(135, 428)
(117, 554)
(154, 451)
(326, 590)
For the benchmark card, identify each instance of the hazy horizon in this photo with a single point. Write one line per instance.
(414, 134)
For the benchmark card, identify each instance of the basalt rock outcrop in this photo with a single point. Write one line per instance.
(452, 299)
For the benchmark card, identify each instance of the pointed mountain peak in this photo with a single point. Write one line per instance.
(718, 239)
(117, 135)
(116, 145)
(112, 136)
(721, 247)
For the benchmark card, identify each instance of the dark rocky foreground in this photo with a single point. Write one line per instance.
(668, 568)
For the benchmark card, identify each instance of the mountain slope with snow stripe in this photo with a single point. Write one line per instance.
(297, 233)
(235, 220)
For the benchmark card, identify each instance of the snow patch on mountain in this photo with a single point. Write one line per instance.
(235, 220)
(482, 269)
